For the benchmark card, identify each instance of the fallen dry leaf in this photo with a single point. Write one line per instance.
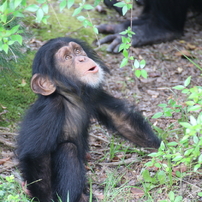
(184, 53)
(2, 161)
(190, 46)
(137, 192)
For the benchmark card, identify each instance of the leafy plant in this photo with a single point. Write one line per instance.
(126, 5)
(186, 150)
(8, 192)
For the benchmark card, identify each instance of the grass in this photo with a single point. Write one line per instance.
(10, 190)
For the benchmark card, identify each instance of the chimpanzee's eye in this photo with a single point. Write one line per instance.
(77, 51)
(68, 57)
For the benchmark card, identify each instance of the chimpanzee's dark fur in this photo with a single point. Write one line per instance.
(160, 21)
(53, 140)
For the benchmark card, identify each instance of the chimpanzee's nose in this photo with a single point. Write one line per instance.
(82, 58)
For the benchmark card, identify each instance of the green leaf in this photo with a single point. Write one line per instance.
(200, 159)
(44, 19)
(123, 33)
(146, 176)
(124, 10)
(70, 3)
(87, 23)
(193, 120)
(188, 152)
(11, 42)
(77, 11)
(180, 87)
(120, 4)
(168, 114)
(88, 7)
(190, 103)
(157, 165)
(5, 48)
(81, 18)
(41, 1)
(17, 3)
(178, 199)
(125, 53)
(18, 14)
(32, 8)
(124, 62)
(177, 158)
(187, 81)
(96, 2)
(14, 29)
(136, 64)
(3, 7)
(95, 29)
(45, 8)
(17, 38)
(162, 105)
(4, 18)
(172, 144)
(121, 47)
(144, 73)
(39, 15)
(137, 73)
(142, 64)
(157, 115)
(63, 4)
(161, 175)
(185, 91)
(185, 124)
(194, 108)
(195, 139)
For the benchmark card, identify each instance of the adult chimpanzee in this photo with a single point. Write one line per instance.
(53, 141)
(110, 4)
(160, 21)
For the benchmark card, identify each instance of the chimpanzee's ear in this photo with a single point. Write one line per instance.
(42, 85)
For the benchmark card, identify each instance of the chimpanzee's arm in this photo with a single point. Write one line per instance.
(40, 129)
(115, 114)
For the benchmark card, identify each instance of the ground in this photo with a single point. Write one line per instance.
(166, 67)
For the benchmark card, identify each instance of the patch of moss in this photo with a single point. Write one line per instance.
(15, 92)
(63, 24)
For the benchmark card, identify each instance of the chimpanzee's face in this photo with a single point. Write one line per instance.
(73, 62)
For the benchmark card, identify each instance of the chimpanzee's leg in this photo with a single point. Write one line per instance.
(37, 175)
(68, 173)
(160, 21)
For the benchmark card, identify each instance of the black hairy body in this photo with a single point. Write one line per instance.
(160, 21)
(53, 141)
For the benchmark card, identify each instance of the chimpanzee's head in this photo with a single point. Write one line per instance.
(66, 61)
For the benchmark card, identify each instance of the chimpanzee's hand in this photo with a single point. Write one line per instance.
(114, 38)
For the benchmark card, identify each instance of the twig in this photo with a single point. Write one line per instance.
(8, 167)
(125, 146)
(127, 161)
(7, 143)
(4, 128)
(99, 138)
(8, 133)
(4, 112)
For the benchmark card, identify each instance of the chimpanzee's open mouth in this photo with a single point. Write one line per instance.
(93, 69)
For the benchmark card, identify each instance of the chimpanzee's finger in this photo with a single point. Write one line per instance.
(107, 29)
(107, 39)
(114, 46)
